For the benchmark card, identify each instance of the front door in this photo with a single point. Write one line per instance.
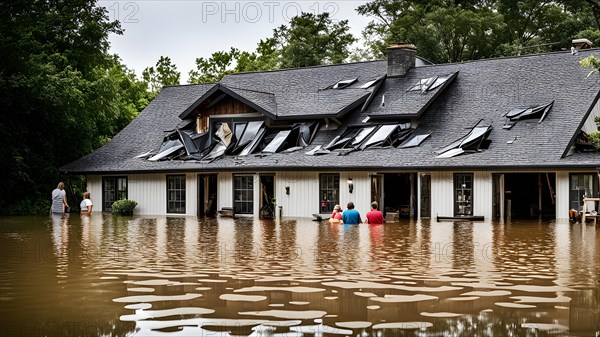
(267, 196)
(377, 190)
(207, 195)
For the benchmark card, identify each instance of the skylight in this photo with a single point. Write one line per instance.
(369, 84)
(248, 133)
(344, 83)
(361, 138)
(474, 141)
(414, 141)
(169, 147)
(431, 83)
(532, 112)
(277, 143)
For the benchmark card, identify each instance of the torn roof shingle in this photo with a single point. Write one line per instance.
(483, 90)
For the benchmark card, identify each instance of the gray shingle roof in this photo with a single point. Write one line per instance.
(483, 90)
(303, 93)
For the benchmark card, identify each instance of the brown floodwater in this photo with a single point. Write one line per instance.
(187, 276)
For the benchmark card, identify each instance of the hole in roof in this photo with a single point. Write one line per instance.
(475, 141)
(344, 83)
(532, 112)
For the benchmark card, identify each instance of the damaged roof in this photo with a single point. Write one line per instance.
(482, 93)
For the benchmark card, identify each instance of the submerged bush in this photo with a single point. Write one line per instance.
(123, 207)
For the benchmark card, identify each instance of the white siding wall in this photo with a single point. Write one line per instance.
(94, 186)
(442, 194)
(191, 194)
(303, 200)
(225, 190)
(149, 190)
(562, 196)
(590, 125)
(482, 194)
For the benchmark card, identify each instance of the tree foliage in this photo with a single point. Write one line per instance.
(164, 74)
(312, 40)
(454, 30)
(308, 40)
(61, 94)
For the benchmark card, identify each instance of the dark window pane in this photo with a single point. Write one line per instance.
(243, 194)
(463, 194)
(176, 194)
(329, 192)
(113, 189)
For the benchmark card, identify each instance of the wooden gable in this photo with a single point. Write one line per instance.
(221, 105)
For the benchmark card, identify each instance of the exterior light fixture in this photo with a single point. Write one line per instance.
(350, 185)
(287, 190)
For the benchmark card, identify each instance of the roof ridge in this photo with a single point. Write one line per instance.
(509, 57)
(189, 85)
(240, 88)
(302, 68)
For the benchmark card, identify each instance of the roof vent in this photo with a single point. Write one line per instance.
(401, 57)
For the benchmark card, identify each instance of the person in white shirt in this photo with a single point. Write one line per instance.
(86, 204)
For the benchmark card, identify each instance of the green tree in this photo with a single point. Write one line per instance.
(265, 57)
(454, 30)
(312, 40)
(212, 69)
(164, 74)
(61, 94)
(308, 40)
(591, 62)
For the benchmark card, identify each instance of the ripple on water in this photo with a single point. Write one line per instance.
(403, 325)
(155, 298)
(146, 314)
(242, 298)
(403, 298)
(354, 324)
(287, 314)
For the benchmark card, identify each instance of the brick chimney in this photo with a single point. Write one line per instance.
(401, 57)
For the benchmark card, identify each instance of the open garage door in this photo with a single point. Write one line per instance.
(529, 195)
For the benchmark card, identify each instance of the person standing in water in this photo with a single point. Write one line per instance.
(86, 204)
(59, 199)
(351, 216)
(375, 217)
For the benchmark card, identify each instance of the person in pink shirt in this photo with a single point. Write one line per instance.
(374, 217)
(336, 216)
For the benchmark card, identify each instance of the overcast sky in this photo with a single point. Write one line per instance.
(185, 30)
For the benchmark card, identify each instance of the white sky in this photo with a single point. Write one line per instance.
(185, 30)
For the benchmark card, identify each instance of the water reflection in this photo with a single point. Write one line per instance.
(187, 276)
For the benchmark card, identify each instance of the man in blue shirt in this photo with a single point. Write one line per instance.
(351, 216)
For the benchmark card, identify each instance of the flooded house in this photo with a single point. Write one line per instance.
(493, 139)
